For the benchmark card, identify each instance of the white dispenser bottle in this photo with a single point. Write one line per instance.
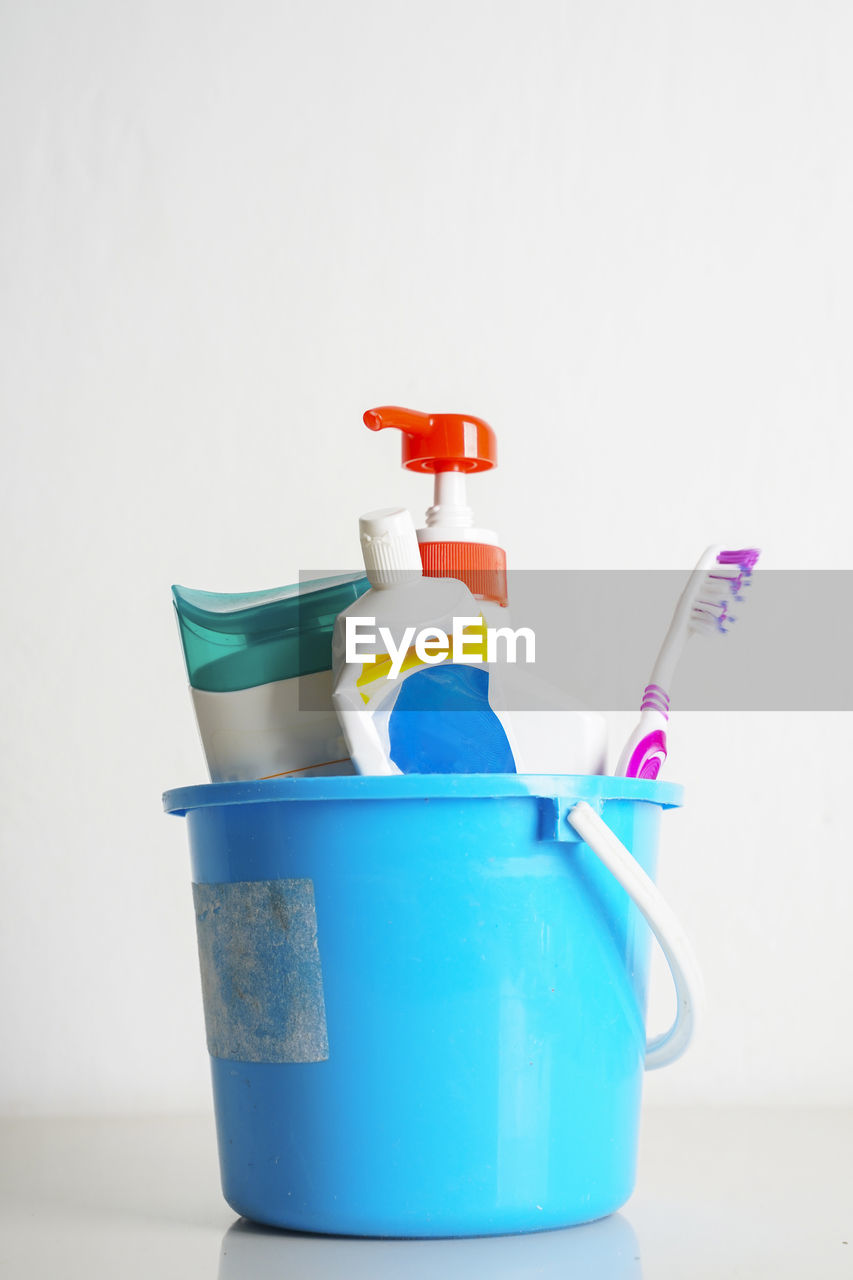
(407, 614)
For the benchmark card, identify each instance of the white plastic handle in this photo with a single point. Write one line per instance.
(672, 939)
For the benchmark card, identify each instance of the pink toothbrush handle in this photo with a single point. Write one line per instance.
(648, 756)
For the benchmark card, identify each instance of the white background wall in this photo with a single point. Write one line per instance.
(619, 232)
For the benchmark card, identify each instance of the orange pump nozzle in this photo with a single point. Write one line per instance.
(436, 442)
(449, 445)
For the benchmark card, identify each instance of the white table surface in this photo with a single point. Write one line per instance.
(720, 1193)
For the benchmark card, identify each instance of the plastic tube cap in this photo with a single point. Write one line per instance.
(390, 548)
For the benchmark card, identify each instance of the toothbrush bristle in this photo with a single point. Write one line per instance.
(710, 616)
(737, 567)
(745, 559)
(721, 585)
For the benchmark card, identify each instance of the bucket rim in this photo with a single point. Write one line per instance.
(423, 786)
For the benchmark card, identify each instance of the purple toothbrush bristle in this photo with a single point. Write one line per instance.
(715, 613)
(746, 560)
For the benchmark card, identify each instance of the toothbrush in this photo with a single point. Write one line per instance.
(718, 578)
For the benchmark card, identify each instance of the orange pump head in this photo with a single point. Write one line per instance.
(451, 445)
(436, 442)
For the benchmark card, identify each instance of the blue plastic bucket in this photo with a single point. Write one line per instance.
(424, 998)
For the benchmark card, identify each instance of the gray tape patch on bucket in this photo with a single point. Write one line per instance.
(260, 971)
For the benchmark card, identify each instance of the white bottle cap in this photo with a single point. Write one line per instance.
(389, 545)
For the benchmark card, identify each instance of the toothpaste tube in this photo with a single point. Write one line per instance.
(259, 667)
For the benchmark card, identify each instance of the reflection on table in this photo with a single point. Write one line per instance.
(606, 1250)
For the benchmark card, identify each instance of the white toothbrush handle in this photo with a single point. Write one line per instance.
(645, 751)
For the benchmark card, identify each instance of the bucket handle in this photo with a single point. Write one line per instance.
(673, 942)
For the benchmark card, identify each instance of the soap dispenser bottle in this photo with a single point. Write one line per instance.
(451, 446)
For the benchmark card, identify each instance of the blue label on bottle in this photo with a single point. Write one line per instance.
(442, 723)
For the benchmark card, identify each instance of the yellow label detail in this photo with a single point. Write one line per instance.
(474, 641)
